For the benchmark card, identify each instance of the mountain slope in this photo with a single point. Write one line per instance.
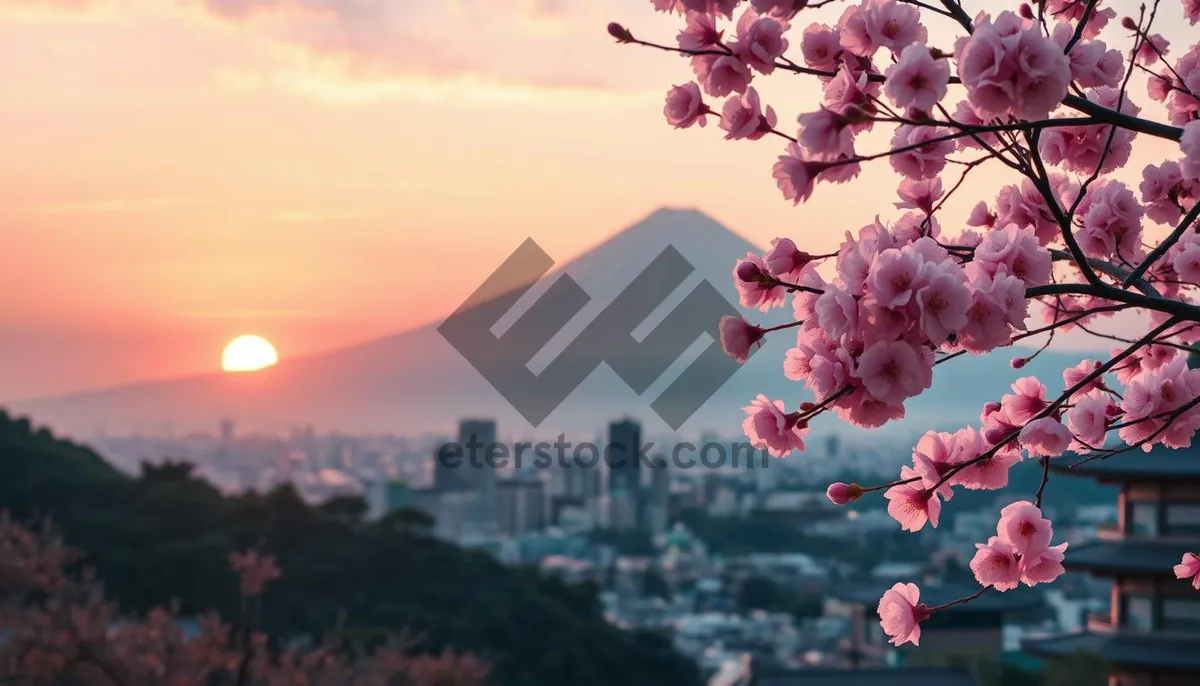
(415, 381)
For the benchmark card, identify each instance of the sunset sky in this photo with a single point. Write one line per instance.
(325, 172)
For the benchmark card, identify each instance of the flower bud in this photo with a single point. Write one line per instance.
(1129, 23)
(619, 32)
(1018, 362)
(841, 493)
(749, 272)
(1026, 11)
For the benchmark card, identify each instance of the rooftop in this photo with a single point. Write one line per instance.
(1160, 463)
(1139, 556)
(1142, 650)
(926, 676)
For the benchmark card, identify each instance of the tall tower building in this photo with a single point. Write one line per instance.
(624, 474)
(477, 437)
(624, 442)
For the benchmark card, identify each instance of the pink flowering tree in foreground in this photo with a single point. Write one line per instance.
(57, 628)
(1039, 94)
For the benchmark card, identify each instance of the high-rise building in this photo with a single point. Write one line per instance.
(477, 438)
(521, 506)
(624, 467)
(624, 494)
(451, 471)
(657, 501)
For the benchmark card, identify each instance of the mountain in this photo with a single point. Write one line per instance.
(416, 381)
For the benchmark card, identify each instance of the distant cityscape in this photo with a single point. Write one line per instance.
(672, 549)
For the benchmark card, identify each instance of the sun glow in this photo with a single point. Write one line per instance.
(248, 354)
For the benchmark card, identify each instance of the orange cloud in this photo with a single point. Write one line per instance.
(499, 42)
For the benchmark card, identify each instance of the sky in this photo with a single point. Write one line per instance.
(324, 172)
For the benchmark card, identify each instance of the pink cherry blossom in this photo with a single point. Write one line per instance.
(1186, 259)
(1190, 144)
(892, 25)
(768, 426)
(1092, 64)
(1191, 10)
(1016, 249)
(1072, 10)
(760, 41)
(724, 75)
(901, 613)
(1089, 420)
(1163, 188)
(1189, 568)
(894, 276)
(700, 33)
(925, 156)
(796, 172)
(1027, 399)
(1045, 566)
(1152, 48)
(742, 117)
(784, 258)
(1082, 149)
(820, 47)
(825, 131)
(911, 504)
(995, 565)
(738, 336)
(1074, 376)
(755, 286)
(1045, 437)
(917, 79)
(852, 31)
(1024, 528)
(943, 301)
(893, 371)
(778, 8)
(1010, 70)
(685, 106)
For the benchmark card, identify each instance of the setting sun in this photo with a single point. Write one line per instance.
(248, 354)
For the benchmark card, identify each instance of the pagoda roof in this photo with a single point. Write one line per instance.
(1160, 651)
(868, 593)
(1160, 463)
(1155, 557)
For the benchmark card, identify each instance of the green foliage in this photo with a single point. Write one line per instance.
(167, 535)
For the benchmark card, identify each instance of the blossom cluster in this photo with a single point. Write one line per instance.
(1041, 92)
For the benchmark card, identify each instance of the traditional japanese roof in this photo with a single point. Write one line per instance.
(1155, 557)
(1160, 463)
(1158, 651)
(926, 676)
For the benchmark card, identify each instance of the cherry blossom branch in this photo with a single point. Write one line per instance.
(1101, 114)
(1045, 479)
(960, 601)
(1176, 308)
(957, 13)
(1079, 27)
(1163, 247)
(1041, 180)
(1110, 269)
(1058, 402)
